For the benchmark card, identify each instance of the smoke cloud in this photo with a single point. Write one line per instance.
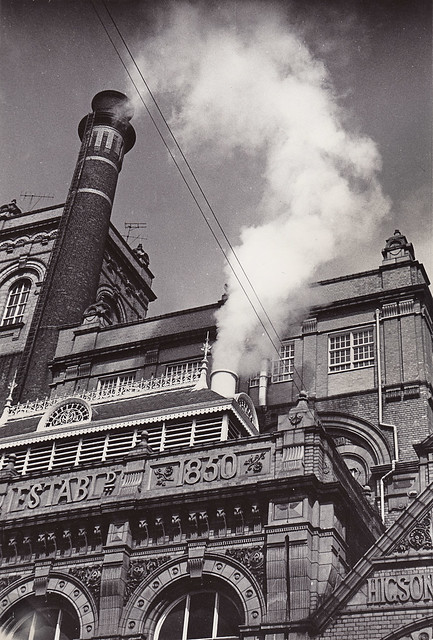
(252, 85)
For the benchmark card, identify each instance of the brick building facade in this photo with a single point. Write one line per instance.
(143, 498)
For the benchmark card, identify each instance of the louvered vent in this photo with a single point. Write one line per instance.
(177, 435)
(120, 442)
(65, 454)
(207, 430)
(94, 448)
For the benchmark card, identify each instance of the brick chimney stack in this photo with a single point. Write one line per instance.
(73, 273)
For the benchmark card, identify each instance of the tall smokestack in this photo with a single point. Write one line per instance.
(73, 273)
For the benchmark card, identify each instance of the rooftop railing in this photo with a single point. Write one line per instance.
(129, 389)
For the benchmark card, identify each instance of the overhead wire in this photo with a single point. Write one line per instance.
(185, 159)
(195, 179)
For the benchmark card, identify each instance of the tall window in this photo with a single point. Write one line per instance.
(34, 620)
(351, 350)
(205, 615)
(282, 369)
(16, 302)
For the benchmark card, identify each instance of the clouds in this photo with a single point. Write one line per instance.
(255, 86)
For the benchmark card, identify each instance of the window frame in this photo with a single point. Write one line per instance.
(19, 306)
(278, 366)
(190, 367)
(360, 354)
(186, 615)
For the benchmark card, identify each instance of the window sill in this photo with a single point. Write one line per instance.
(368, 366)
(11, 327)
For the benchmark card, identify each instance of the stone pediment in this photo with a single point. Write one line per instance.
(409, 539)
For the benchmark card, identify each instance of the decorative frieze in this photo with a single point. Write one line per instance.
(90, 576)
(419, 537)
(209, 469)
(139, 570)
(253, 559)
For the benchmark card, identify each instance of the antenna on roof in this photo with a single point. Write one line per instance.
(135, 225)
(37, 198)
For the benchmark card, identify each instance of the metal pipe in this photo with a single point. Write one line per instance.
(263, 382)
(379, 365)
(382, 490)
(380, 415)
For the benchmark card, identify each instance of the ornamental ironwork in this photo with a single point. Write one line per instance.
(143, 386)
(67, 413)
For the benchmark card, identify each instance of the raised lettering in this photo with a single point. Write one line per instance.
(34, 499)
(211, 469)
(82, 489)
(403, 589)
(192, 471)
(389, 589)
(228, 466)
(416, 588)
(51, 488)
(64, 492)
(428, 587)
(372, 591)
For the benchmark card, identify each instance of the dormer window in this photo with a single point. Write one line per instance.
(16, 302)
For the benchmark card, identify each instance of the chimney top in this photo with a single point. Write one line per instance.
(113, 102)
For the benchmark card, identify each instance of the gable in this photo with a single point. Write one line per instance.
(396, 573)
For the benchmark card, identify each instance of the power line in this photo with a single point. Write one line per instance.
(191, 171)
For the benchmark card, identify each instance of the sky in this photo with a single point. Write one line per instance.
(239, 82)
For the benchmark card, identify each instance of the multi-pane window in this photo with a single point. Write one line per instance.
(254, 381)
(351, 350)
(112, 385)
(182, 369)
(35, 620)
(16, 302)
(282, 369)
(205, 615)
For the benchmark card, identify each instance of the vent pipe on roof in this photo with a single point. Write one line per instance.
(263, 382)
(224, 382)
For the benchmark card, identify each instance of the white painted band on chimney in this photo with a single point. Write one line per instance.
(224, 382)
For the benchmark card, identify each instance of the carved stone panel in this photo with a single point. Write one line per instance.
(138, 570)
(90, 576)
(253, 559)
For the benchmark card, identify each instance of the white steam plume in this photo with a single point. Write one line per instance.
(255, 86)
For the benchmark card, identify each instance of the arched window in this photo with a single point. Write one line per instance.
(40, 619)
(16, 302)
(200, 615)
